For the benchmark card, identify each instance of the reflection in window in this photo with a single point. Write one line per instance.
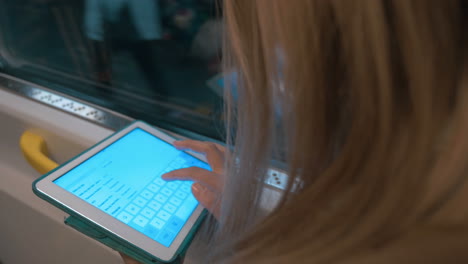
(156, 60)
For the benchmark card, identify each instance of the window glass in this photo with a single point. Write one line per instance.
(156, 60)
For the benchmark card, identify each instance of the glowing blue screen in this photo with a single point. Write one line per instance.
(124, 181)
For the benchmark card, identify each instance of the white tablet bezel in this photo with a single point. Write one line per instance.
(102, 219)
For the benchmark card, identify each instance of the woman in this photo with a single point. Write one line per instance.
(373, 125)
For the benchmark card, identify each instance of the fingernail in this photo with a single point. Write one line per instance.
(165, 175)
(196, 188)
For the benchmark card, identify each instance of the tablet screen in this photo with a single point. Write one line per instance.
(124, 181)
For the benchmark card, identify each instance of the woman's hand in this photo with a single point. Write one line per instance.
(208, 184)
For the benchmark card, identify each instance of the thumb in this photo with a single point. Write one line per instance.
(209, 199)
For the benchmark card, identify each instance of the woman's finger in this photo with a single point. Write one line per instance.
(209, 199)
(208, 178)
(213, 152)
(221, 149)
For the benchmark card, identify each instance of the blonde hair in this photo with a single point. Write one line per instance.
(373, 127)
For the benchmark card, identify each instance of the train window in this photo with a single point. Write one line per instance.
(155, 60)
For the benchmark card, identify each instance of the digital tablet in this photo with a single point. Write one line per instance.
(117, 186)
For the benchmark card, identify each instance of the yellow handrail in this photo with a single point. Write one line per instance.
(34, 149)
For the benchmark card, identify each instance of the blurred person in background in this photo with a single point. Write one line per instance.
(373, 130)
(198, 24)
(135, 26)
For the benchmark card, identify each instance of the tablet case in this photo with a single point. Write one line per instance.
(100, 235)
(109, 239)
